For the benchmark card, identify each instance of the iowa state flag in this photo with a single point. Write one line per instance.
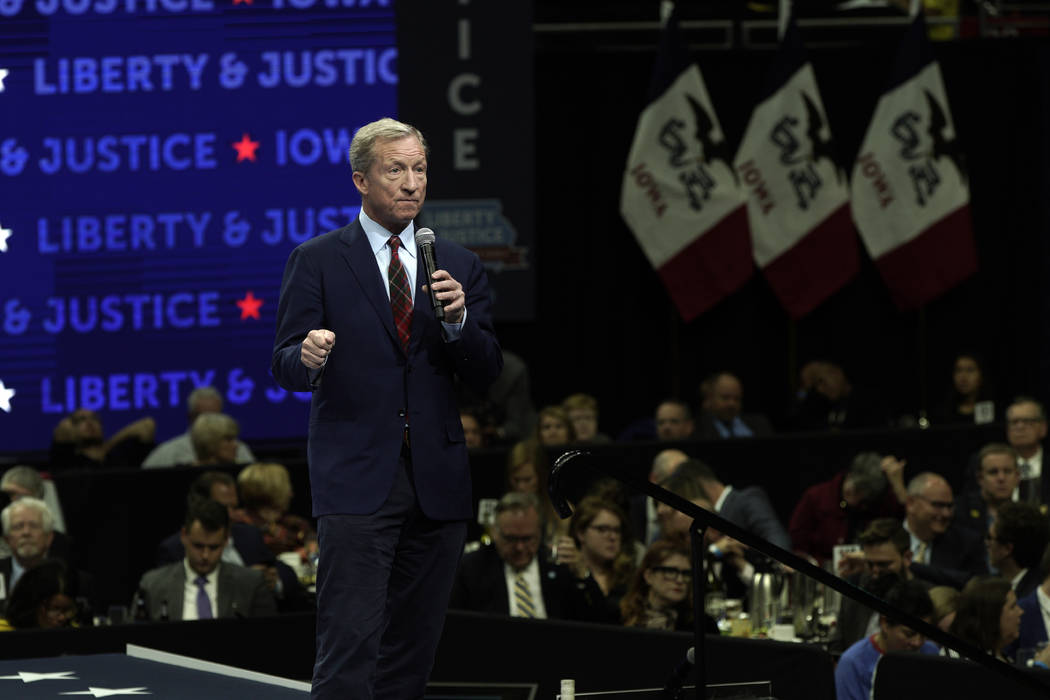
(797, 195)
(910, 192)
(680, 195)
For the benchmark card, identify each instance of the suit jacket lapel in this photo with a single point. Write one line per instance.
(358, 255)
(176, 590)
(224, 593)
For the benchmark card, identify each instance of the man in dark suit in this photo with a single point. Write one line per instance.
(244, 546)
(510, 578)
(997, 479)
(721, 414)
(388, 463)
(747, 507)
(1016, 541)
(201, 585)
(942, 553)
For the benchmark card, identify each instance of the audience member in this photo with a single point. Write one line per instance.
(1036, 607)
(244, 544)
(506, 412)
(941, 553)
(582, 410)
(527, 472)
(997, 479)
(1016, 541)
(510, 577)
(597, 532)
(987, 615)
(45, 598)
(21, 482)
(747, 507)
(202, 585)
(728, 565)
(214, 438)
(642, 507)
(945, 602)
(266, 494)
(472, 433)
(833, 512)
(827, 400)
(554, 428)
(78, 441)
(855, 672)
(28, 527)
(660, 594)
(970, 398)
(722, 411)
(884, 560)
(179, 450)
(1025, 431)
(29, 531)
(674, 420)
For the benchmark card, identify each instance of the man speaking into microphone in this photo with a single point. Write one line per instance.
(388, 464)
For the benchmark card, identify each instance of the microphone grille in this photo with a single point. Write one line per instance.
(424, 236)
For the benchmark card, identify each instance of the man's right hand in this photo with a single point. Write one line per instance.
(315, 348)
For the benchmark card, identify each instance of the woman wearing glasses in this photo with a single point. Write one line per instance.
(660, 596)
(597, 533)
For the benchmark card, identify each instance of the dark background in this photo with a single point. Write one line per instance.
(604, 323)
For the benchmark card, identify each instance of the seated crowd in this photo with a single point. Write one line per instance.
(955, 560)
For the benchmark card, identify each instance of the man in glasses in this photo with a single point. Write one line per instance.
(1025, 431)
(942, 553)
(511, 578)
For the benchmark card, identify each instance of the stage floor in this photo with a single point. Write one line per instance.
(140, 671)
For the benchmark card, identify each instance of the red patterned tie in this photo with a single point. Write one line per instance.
(400, 293)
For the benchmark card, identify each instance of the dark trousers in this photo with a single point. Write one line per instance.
(383, 585)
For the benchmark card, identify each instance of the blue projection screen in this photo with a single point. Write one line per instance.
(159, 159)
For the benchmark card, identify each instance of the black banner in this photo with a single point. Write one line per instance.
(466, 80)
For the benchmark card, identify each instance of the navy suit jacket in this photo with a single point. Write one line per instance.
(362, 394)
(750, 508)
(1033, 629)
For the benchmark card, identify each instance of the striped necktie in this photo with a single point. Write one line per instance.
(523, 597)
(203, 601)
(400, 294)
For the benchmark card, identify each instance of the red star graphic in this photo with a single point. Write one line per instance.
(249, 306)
(245, 148)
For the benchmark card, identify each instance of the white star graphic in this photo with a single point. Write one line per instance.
(5, 406)
(3, 74)
(106, 692)
(30, 677)
(5, 233)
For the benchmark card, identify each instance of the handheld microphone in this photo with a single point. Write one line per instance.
(425, 246)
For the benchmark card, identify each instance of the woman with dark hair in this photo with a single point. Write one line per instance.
(660, 596)
(987, 615)
(597, 530)
(970, 398)
(44, 598)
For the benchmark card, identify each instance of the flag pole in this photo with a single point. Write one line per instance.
(782, 19)
(921, 338)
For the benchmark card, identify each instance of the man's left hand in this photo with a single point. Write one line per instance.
(451, 295)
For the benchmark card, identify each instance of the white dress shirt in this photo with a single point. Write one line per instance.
(407, 254)
(189, 593)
